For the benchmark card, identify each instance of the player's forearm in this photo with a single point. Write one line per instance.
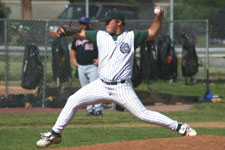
(73, 58)
(71, 31)
(74, 61)
(80, 35)
(156, 26)
(96, 62)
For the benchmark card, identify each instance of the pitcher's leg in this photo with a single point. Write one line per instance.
(85, 96)
(129, 100)
(138, 110)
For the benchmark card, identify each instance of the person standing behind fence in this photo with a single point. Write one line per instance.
(84, 56)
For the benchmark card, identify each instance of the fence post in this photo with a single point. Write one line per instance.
(207, 55)
(45, 64)
(6, 59)
(171, 21)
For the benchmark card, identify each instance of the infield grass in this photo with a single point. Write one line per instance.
(21, 131)
(179, 87)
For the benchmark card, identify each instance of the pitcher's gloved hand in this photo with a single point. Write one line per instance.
(68, 30)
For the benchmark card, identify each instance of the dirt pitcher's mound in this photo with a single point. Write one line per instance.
(201, 142)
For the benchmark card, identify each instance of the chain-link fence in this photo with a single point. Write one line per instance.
(57, 74)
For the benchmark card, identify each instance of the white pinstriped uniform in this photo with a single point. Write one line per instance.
(115, 64)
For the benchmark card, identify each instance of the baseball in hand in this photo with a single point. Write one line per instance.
(156, 11)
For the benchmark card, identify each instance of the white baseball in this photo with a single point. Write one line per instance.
(156, 10)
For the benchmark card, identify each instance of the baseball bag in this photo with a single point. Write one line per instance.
(189, 58)
(148, 60)
(12, 101)
(32, 70)
(166, 59)
(61, 60)
(136, 75)
(56, 102)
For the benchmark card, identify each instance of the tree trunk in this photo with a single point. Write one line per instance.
(26, 9)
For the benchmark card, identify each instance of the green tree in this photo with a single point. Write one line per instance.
(196, 9)
(5, 10)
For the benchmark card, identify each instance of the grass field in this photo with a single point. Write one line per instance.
(179, 88)
(21, 131)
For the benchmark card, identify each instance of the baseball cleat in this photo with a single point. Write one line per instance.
(186, 130)
(91, 114)
(99, 114)
(48, 139)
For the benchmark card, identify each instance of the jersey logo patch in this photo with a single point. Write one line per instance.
(124, 48)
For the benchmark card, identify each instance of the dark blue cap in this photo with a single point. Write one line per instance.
(84, 20)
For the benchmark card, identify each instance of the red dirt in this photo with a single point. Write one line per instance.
(202, 142)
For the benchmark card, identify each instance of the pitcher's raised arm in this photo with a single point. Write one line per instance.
(74, 31)
(156, 26)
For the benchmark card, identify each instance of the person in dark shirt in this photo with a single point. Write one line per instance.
(84, 56)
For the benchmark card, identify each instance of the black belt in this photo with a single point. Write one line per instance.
(114, 83)
(84, 64)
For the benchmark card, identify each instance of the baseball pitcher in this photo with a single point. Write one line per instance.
(116, 53)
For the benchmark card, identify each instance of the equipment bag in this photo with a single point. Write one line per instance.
(136, 75)
(12, 101)
(189, 58)
(148, 60)
(166, 59)
(32, 71)
(61, 60)
(56, 102)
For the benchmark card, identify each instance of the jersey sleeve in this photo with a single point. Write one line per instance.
(139, 37)
(73, 44)
(91, 36)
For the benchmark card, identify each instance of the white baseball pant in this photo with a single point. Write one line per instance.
(122, 94)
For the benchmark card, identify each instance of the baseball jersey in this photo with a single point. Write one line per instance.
(116, 52)
(86, 51)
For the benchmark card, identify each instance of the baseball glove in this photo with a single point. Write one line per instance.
(69, 30)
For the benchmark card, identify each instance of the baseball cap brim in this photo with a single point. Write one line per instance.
(112, 14)
(106, 18)
(81, 22)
